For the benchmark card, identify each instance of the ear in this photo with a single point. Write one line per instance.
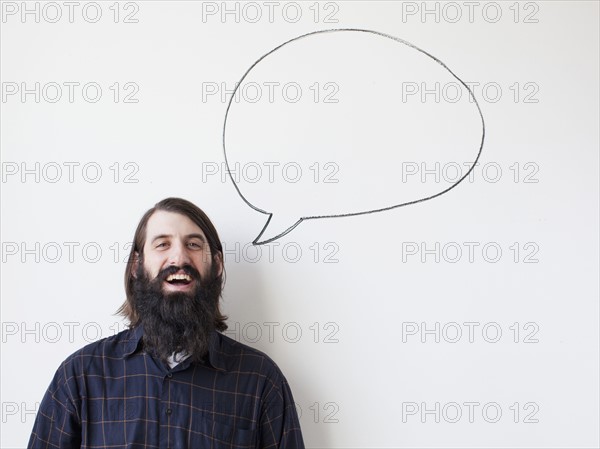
(218, 260)
(136, 263)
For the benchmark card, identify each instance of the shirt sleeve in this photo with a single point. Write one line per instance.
(279, 423)
(57, 424)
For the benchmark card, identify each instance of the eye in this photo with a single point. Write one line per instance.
(162, 245)
(195, 245)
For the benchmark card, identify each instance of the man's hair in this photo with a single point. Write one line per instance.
(194, 213)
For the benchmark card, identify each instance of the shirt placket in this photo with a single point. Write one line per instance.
(166, 413)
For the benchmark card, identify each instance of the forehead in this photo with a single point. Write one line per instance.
(170, 223)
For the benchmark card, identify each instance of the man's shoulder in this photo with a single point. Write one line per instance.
(93, 358)
(112, 347)
(239, 356)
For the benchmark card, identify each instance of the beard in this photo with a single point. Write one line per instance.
(176, 322)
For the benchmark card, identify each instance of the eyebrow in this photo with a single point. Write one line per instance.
(189, 236)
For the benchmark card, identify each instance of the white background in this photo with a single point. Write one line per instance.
(362, 376)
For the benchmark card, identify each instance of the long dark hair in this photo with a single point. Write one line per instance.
(197, 215)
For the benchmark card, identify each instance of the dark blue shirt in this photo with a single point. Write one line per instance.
(112, 394)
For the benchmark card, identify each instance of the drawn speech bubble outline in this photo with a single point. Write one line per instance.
(351, 214)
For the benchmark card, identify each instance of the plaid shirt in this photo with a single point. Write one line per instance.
(112, 394)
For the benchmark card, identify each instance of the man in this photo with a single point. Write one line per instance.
(171, 380)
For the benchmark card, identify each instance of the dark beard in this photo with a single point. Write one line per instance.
(177, 322)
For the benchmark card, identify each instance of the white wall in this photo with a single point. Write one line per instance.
(342, 305)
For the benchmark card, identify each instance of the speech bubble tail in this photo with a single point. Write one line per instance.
(276, 223)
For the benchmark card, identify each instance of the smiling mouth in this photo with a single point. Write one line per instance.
(179, 279)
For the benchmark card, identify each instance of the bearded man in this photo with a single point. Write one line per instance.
(172, 380)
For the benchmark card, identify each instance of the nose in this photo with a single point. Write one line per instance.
(178, 255)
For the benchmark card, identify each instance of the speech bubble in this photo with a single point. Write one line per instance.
(345, 106)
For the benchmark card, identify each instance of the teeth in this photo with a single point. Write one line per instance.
(181, 277)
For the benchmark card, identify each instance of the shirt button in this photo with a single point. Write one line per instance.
(169, 411)
(170, 375)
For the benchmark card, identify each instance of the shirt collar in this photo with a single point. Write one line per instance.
(132, 342)
(215, 355)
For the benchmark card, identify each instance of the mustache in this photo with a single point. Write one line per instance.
(172, 269)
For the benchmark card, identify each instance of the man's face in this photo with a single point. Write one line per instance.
(173, 239)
